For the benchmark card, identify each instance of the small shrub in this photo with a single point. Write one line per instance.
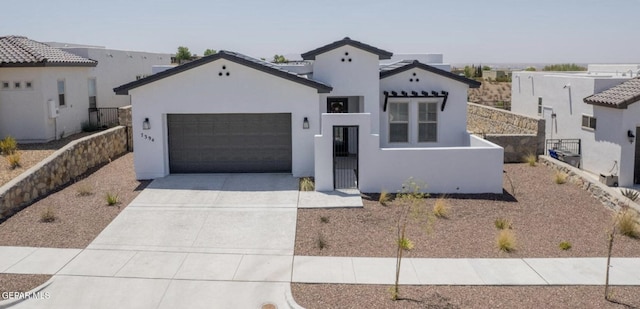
(565, 245)
(384, 198)
(321, 243)
(47, 215)
(502, 224)
(405, 243)
(8, 146)
(441, 207)
(324, 219)
(560, 178)
(14, 160)
(506, 241)
(307, 184)
(84, 189)
(112, 199)
(627, 224)
(531, 159)
(630, 194)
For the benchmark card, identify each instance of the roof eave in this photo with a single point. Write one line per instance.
(44, 64)
(382, 54)
(470, 82)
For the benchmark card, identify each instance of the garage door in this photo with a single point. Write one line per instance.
(229, 143)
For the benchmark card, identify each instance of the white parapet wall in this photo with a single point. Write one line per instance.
(473, 167)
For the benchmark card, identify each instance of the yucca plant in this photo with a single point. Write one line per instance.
(630, 194)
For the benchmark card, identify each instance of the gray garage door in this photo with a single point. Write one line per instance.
(229, 143)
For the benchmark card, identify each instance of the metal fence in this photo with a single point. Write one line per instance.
(572, 145)
(103, 117)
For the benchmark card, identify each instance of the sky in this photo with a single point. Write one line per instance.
(465, 31)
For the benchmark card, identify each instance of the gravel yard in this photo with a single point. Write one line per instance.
(542, 214)
(79, 218)
(31, 154)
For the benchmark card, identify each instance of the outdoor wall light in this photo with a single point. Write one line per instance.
(567, 86)
(145, 124)
(630, 136)
(305, 123)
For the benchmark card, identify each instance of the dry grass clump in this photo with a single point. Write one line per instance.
(560, 177)
(441, 207)
(531, 159)
(111, 198)
(307, 184)
(627, 223)
(14, 160)
(405, 243)
(8, 146)
(384, 198)
(506, 240)
(84, 189)
(321, 242)
(48, 215)
(564, 245)
(502, 223)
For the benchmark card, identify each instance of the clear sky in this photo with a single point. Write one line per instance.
(465, 31)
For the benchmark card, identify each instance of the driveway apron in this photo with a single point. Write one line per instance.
(188, 241)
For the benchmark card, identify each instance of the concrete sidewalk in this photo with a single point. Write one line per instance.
(421, 271)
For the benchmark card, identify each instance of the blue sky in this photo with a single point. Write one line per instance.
(488, 31)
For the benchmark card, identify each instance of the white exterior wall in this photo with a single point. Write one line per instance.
(476, 168)
(201, 90)
(360, 77)
(118, 67)
(24, 113)
(602, 147)
(452, 122)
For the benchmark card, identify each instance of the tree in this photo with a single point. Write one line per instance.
(486, 68)
(183, 54)
(209, 52)
(479, 71)
(279, 59)
(468, 71)
(530, 69)
(564, 67)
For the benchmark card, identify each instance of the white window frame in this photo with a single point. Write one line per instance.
(63, 95)
(427, 121)
(392, 105)
(591, 124)
(540, 107)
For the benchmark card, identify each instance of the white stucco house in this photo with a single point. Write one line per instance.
(338, 115)
(597, 107)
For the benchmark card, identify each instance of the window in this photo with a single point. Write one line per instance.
(428, 122)
(28, 85)
(398, 122)
(92, 93)
(539, 106)
(17, 85)
(61, 90)
(588, 122)
(5, 85)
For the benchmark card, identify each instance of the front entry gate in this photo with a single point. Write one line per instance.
(345, 157)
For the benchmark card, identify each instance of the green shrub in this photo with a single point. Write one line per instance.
(405, 243)
(630, 194)
(506, 241)
(502, 223)
(8, 146)
(112, 199)
(14, 160)
(48, 215)
(324, 219)
(307, 184)
(565, 245)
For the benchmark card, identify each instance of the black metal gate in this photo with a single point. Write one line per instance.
(345, 157)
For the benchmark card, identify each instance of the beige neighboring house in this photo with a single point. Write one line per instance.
(494, 74)
(44, 91)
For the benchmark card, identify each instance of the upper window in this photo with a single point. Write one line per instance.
(5, 85)
(427, 122)
(539, 106)
(17, 85)
(588, 122)
(61, 92)
(92, 93)
(398, 122)
(28, 85)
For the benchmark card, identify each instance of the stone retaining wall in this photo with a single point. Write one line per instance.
(519, 135)
(60, 168)
(124, 118)
(609, 197)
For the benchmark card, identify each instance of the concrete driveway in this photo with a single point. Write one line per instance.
(189, 241)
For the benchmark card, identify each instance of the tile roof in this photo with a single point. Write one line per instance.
(619, 96)
(251, 62)
(20, 51)
(404, 65)
(311, 55)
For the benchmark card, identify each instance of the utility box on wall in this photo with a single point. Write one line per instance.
(53, 109)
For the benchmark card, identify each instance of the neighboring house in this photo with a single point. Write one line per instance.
(43, 90)
(597, 107)
(493, 74)
(348, 122)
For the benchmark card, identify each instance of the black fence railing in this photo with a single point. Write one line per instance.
(103, 117)
(571, 145)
